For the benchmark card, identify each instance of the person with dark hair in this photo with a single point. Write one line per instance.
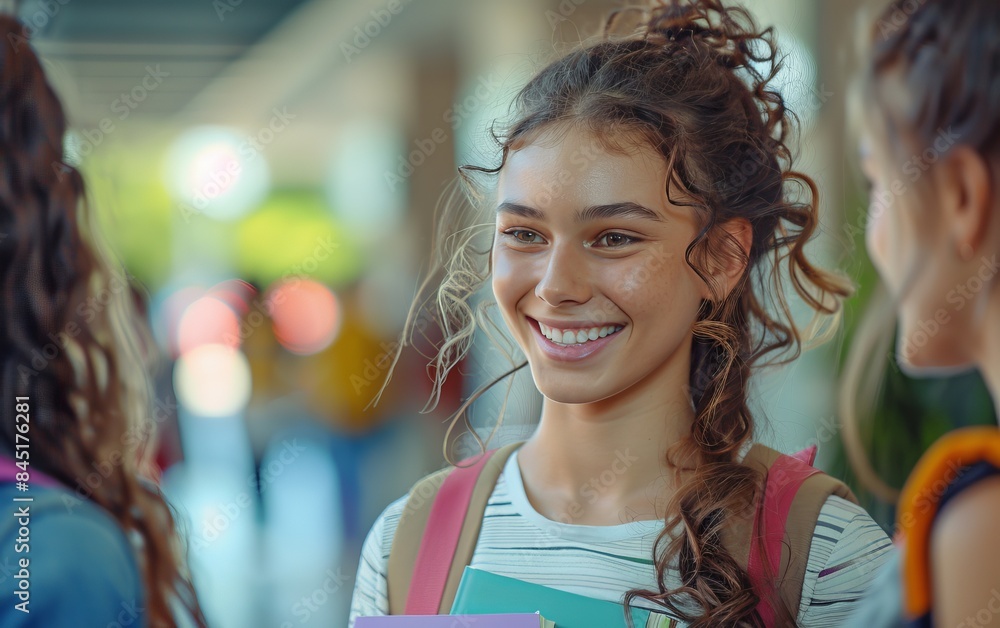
(646, 218)
(930, 101)
(86, 538)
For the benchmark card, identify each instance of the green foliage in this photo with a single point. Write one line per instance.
(133, 212)
(294, 233)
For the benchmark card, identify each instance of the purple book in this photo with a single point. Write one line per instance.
(506, 620)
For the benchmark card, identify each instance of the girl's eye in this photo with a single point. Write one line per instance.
(523, 236)
(614, 240)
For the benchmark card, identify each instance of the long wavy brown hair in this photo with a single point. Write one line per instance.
(70, 338)
(943, 59)
(693, 78)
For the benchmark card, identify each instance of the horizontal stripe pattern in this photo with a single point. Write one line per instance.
(603, 562)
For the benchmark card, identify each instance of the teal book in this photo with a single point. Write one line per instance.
(481, 592)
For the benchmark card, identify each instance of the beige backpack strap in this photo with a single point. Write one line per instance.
(410, 531)
(799, 529)
(800, 523)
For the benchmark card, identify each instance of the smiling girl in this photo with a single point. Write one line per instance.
(645, 211)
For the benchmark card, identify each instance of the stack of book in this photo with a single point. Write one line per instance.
(487, 600)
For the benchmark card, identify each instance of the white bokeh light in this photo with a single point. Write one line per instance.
(214, 171)
(213, 380)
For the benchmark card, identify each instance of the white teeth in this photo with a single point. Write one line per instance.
(578, 336)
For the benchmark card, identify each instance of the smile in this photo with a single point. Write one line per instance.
(577, 336)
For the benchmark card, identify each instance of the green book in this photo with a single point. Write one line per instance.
(481, 592)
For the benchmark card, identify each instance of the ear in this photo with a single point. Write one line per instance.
(965, 194)
(731, 256)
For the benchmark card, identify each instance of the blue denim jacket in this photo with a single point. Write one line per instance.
(81, 570)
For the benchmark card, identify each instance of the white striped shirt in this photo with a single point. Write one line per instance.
(603, 562)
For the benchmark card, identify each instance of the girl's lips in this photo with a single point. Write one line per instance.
(570, 353)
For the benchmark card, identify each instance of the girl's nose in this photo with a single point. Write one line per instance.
(565, 278)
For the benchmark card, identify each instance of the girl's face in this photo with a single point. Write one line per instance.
(911, 249)
(589, 270)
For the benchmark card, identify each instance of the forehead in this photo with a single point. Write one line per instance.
(574, 165)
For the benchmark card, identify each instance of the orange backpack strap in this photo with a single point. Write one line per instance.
(794, 494)
(443, 515)
(940, 471)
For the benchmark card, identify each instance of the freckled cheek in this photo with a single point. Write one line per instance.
(629, 282)
(642, 286)
(511, 281)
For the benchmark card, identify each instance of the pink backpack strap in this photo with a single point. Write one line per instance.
(784, 478)
(9, 471)
(441, 537)
(807, 455)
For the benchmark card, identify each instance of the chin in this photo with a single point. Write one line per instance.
(562, 394)
(931, 360)
(570, 393)
(933, 370)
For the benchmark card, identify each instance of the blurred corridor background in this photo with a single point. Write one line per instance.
(268, 172)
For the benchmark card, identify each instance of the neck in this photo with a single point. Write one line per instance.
(989, 355)
(609, 455)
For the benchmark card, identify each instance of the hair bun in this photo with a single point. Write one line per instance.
(678, 22)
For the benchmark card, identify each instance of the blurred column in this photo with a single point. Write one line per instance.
(430, 147)
(436, 84)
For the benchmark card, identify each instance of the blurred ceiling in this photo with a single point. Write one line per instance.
(234, 63)
(96, 51)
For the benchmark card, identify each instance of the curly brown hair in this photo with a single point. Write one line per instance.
(70, 338)
(693, 78)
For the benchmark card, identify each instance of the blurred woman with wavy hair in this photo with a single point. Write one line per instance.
(93, 542)
(645, 222)
(929, 105)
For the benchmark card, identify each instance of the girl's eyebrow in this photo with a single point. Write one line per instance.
(626, 209)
